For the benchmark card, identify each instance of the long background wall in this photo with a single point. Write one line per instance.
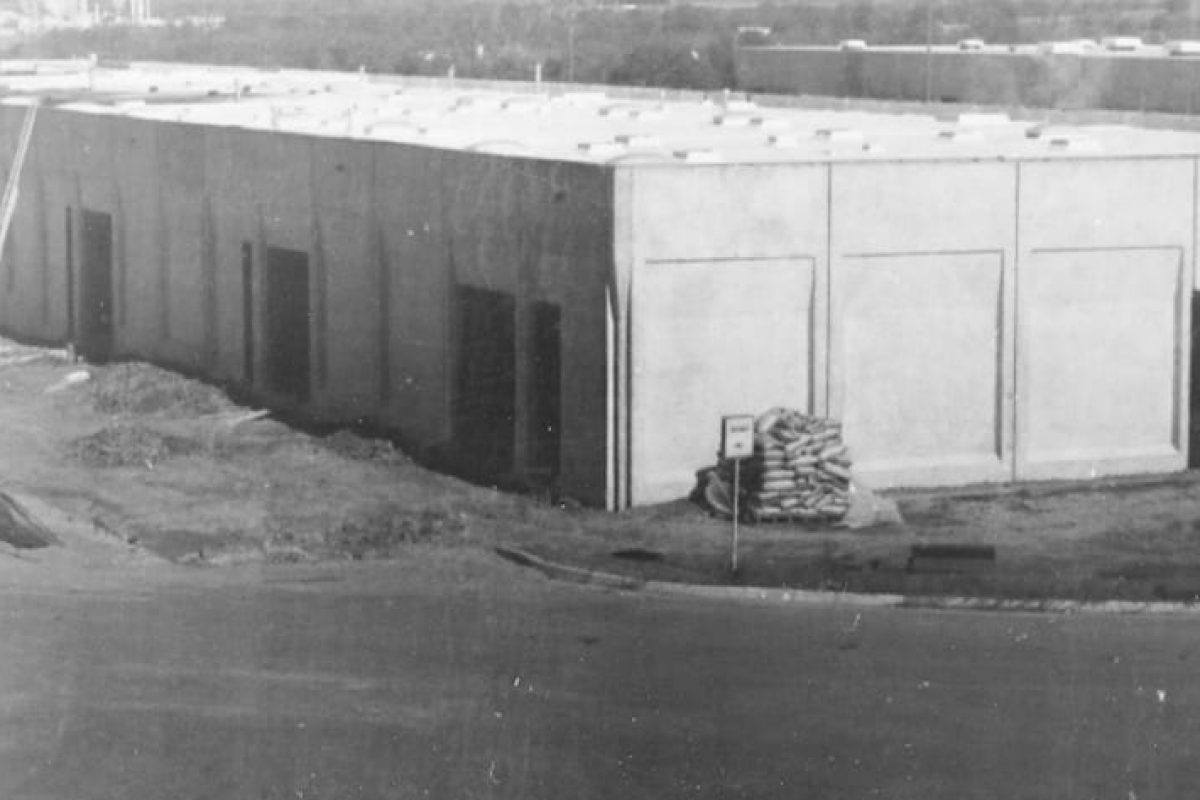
(1125, 83)
(389, 230)
(969, 321)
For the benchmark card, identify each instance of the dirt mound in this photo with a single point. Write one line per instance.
(19, 529)
(350, 445)
(137, 388)
(128, 446)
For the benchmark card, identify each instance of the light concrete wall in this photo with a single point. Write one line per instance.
(969, 321)
(1104, 291)
(726, 268)
(921, 319)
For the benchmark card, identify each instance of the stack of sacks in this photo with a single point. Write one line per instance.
(800, 469)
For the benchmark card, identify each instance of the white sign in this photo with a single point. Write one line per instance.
(737, 436)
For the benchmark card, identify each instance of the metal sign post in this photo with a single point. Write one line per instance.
(737, 442)
(737, 488)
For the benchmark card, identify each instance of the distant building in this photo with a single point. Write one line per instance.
(1118, 73)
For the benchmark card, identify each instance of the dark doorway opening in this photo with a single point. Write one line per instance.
(1194, 388)
(546, 390)
(484, 404)
(286, 343)
(96, 288)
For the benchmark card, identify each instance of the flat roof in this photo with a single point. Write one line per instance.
(560, 122)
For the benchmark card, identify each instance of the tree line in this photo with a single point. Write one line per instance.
(663, 44)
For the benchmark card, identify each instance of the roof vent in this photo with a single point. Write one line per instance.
(629, 111)
(732, 120)
(601, 149)
(1074, 143)
(782, 140)
(769, 123)
(960, 136)
(621, 110)
(637, 140)
(840, 134)
(698, 156)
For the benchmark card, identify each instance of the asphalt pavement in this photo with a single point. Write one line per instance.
(456, 675)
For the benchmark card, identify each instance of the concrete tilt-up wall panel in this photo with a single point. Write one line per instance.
(728, 271)
(541, 231)
(1107, 253)
(921, 308)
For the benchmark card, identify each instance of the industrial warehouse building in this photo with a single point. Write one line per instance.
(1151, 78)
(565, 285)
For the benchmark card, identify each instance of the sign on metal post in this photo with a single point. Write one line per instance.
(737, 436)
(737, 442)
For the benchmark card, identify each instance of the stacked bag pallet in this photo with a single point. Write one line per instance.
(800, 470)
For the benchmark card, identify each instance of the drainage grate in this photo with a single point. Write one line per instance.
(955, 557)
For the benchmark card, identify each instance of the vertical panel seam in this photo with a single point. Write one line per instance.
(1015, 411)
(1183, 337)
(828, 286)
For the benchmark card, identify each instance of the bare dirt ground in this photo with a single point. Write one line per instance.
(170, 468)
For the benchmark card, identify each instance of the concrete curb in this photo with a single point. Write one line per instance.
(563, 572)
(813, 597)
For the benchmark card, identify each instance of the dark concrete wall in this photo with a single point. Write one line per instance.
(388, 229)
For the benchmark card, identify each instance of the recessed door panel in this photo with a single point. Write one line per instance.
(1100, 364)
